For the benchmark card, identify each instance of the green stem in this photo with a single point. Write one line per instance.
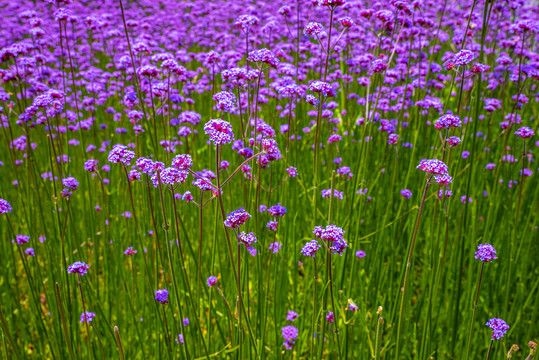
(473, 312)
(119, 343)
(407, 271)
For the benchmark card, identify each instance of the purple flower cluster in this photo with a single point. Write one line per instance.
(91, 165)
(5, 207)
(78, 267)
(22, 239)
(263, 56)
(406, 193)
(86, 317)
(499, 328)
(211, 281)
(291, 315)
(334, 235)
(237, 218)
(290, 334)
(244, 22)
(161, 296)
(321, 87)
(277, 210)
(336, 193)
(121, 154)
(463, 57)
(130, 251)
(433, 166)
(448, 121)
(70, 184)
(485, 252)
(525, 132)
(275, 246)
(182, 162)
(310, 248)
(248, 239)
(453, 141)
(313, 29)
(226, 101)
(220, 131)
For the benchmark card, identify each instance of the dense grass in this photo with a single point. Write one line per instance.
(414, 295)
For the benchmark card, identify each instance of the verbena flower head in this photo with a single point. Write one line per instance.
(70, 183)
(329, 233)
(499, 328)
(247, 239)
(480, 68)
(277, 210)
(226, 101)
(272, 225)
(313, 29)
(30, 251)
(485, 252)
(290, 333)
(444, 194)
(263, 56)
(360, 254)
(275, 246)
(378, 65)
(433, 166)
(338, 247)
(182, 162)
(463, 57)
(22, 239)
(406, 193)
(285, 11)
(78, 267)
(336, 193)
(161, 296)
(453, 141)
(322, 87)
(525, 132)
(312, 100)
(246, 21)
(448, 121)
(169, 176)
(291, 315)
(211, 281)
(330, 3)
(86, 316)
(237, 218)
(443, 179)
(330, 317)
(292, 171)
(130, 251)
(220, 131)
(310, 248)
(91, 165)
(392, 139)
(5, 207)
(187, 196)
(121, 154)
(346, 22)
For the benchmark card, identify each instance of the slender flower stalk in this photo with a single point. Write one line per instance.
(119, 342)
(8, 334)
(64, 323)
(490, 349)
(407, 270)
(473, 312)
(231, 256)
(84, 312)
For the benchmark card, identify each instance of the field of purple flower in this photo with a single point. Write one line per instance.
(305, 179)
